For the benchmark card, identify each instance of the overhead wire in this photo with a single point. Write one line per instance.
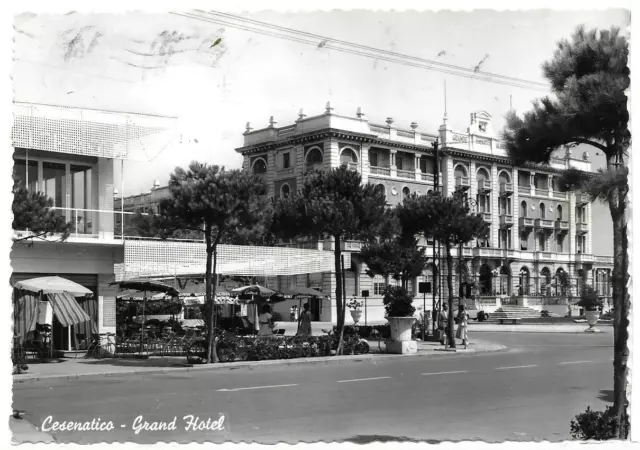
(384, 55)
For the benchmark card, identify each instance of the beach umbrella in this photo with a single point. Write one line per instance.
(146, 285)
(53, 285)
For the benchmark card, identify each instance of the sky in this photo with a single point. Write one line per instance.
(120, 62)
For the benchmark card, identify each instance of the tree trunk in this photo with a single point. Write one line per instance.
(341, 282)
(210, 296)
(451, 334)
(620, 319)
(336, 255)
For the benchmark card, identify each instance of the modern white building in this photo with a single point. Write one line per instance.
(537, 228)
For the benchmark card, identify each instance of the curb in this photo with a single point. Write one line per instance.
(331, 360)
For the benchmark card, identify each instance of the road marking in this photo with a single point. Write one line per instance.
(444, 373)
(516, 367)
(575, 362)
(255, 387)
(362, 379)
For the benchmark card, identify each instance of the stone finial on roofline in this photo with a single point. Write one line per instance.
(414, 125)
(360, 112)
(301, 114)
(272, 122)
(248, 130)
(328, 108)
(389, 120)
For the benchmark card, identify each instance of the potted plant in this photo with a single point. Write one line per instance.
(354, 307)
(591, 303)
(399, 312)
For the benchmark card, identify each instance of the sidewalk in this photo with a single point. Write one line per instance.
(23, 431)
(77, 368)
(537, 328)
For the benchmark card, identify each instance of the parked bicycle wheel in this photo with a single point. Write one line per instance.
(197, 352)
(362, 347)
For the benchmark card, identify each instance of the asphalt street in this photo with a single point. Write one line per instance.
(527, 393)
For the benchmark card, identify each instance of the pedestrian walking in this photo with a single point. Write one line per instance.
(443, 325)
(266, 322)
(304, 321)
(463, 329)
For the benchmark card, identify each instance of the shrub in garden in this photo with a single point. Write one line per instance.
(596, 425)
(398, 302)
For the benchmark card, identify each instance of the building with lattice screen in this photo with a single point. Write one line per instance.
(70, 154)
(537, 229)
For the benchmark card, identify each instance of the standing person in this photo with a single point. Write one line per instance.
(304, 321)
(443, 325)
(266, 322)
(462, 332)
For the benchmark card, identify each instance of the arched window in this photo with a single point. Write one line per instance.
(561, 282)
(525, 281)
(285, 191)
(314, 157)
(348, 156)
(545, 281)
(485, 279)
(559, 215)
(259, 166)
(504, 285)
(482, 175)
(460, 171)
(543, 212)
(406, 191)
(504, 178)
(523, 209)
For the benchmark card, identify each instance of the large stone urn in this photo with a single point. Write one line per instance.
(355, 315)
(401, 341)
(592, 320)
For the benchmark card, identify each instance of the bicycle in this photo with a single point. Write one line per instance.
(102, 346)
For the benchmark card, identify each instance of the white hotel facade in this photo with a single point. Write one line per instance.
(537, 229)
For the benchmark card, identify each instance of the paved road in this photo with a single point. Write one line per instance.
(530, 392)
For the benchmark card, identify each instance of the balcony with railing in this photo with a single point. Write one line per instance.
(462, 183)
(506, 221)
(410, 174)
(582, 227)
(427, 177)
(585, 258)
(484, 186)
(544, 256)
(525, 222)
(314, 166)
(506, 189)
(285, 172)
(562, 226)
(351, 246)
(544, 224)
(582, 199)
(560, 195)
(486, 216)
(524, 189)
(377, 170)
(542, 192)
(485, 252)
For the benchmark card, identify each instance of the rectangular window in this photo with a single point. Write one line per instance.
(398, 162)
(26, 178)
(373, 159)
(378, 288)
(54, 175)
(542, 243)
(286, 160)
(524, 244)
(560, 243)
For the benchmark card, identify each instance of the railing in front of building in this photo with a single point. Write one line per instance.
(544, 224)
(462, 182)
(377, 170)
(506, 188)
(427, 177)
(410, 174)
(524, 189)
(542, 192)
(561, 195)
(582, 227)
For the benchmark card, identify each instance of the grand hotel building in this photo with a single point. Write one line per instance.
(537, 228)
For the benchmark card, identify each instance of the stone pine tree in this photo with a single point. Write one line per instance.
(394, 254)
(447, 220)
(333, 204)
(589, 78)
(33, 211)
(223, 205)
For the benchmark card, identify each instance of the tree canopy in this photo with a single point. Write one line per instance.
(335, 204)
(33, 211)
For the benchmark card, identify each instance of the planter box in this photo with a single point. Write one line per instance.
(401, 336)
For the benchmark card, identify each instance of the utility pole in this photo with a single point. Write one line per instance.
(436, 187)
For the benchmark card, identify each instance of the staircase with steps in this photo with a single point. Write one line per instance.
(511, 312)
